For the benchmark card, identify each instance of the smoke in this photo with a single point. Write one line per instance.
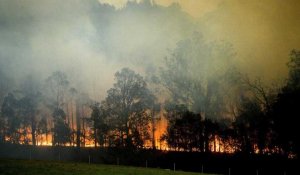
(87, 40)
(91, 40)
(262, 32)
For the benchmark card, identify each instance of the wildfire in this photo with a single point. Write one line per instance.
(161, 128)
(216, 144)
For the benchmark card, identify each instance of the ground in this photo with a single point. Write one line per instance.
(37, 167)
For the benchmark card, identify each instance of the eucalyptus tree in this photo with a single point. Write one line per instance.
(196, 74)
(61, 130)
(202, 77)
(83, 103)
(29, 105)
(100, 125)
(11, 119)
(72, 94)
(184, 131)
(5, 84)
(128, 104)
(57, 84)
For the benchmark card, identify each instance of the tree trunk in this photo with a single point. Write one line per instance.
(33, 131)
(95, 136)
(215, 143)
(72, 120)
(153, 130)
(52, 133)
(83, 132)
(77, 125)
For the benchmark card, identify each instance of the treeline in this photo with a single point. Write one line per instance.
(264, 120)
(209, 105)
(58, 114)
(51, 112)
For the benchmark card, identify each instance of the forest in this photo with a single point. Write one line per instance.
(204, 86)
(231, 113)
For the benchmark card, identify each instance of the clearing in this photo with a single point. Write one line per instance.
(38, 167)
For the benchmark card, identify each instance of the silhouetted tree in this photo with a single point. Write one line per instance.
(185, 132)
(100, 125)
(128, 104)
(5, 84)
(82, 104)
(58, 84)
(210, 131)
(2, 128)
(185, 129)
(42, 127)
(250, 126)
(227, 135)
(11, 119)
(27, 113)
(154, 118)
(72, 93)
(294, 70)
(29, 105)
(61, 130)
(286, 110)
(194, 74)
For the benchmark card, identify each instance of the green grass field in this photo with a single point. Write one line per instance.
(26, 167)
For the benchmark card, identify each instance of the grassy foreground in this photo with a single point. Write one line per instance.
(26, 167)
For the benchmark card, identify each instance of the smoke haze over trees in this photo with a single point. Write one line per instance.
(83, 73)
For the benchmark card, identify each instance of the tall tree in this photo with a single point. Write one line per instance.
(129, 102)
(100, 125)
(294, 70)
(5, 84)
(11, 119)
(42, 128)
(154, 118)
(188, 131)
(250, 126)
(82, 103)
(58, 85)
(61, 130)
(286, 109)
(72, 93)
(20, 110)
(254, 120)
(29, 105)
(185, 129)
(4, 89)
(2, 128)
(194, 74)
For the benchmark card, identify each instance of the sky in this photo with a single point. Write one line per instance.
(263, 32)
(91, 40)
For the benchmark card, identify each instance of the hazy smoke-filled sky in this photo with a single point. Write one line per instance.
(92, 39)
